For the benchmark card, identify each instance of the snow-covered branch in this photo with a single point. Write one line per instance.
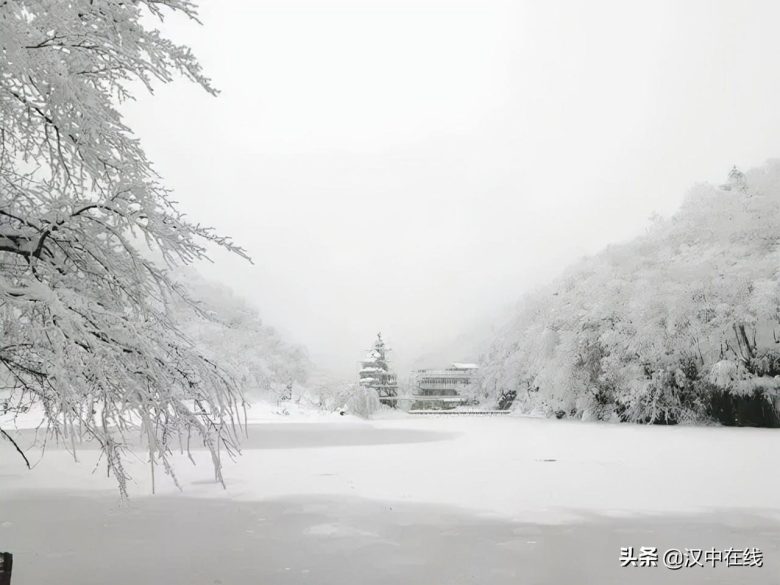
(83, 310)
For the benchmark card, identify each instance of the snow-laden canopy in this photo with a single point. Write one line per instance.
(675, 325)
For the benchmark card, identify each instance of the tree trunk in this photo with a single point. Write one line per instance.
(746, 349)
(6, 564)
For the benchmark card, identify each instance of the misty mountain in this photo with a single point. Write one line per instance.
(467, 345)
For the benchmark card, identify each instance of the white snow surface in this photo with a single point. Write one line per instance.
(519, 468)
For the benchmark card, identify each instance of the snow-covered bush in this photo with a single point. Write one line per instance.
(326, 393)
(363, 401)
(656, 329)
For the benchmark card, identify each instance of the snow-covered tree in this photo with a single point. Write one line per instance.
(84, 329)
(680, 324)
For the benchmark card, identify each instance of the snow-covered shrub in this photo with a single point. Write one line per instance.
(324, 392)
(363, 402)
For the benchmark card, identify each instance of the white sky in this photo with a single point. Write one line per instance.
(413, 167)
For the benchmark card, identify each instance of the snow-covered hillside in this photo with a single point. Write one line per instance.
(680, 324)
(230, 330)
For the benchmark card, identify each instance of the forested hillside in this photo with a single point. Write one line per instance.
(230, 331)
(680, 324)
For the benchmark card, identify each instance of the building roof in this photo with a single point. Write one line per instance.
(465, 366)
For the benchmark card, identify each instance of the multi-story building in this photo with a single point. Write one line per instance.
(442, 389)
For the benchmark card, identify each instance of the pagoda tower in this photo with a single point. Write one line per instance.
(375, 373)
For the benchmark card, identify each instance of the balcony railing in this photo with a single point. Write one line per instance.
(443, 374)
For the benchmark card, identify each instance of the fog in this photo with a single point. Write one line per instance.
(414, 167)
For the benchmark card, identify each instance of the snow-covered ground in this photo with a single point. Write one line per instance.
(329, 499)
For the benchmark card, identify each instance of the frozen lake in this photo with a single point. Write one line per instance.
(421, 500)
